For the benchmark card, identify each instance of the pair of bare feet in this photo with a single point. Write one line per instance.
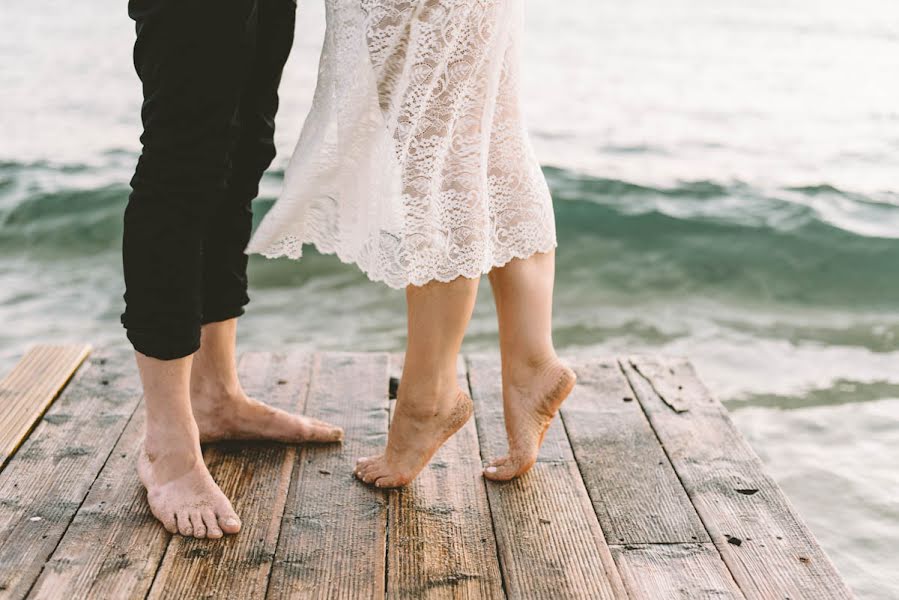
(184, 497)
(180, 491)
(532, 395)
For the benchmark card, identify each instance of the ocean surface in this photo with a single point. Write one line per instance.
(726, 182)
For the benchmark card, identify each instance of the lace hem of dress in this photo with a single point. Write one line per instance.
(291, 247)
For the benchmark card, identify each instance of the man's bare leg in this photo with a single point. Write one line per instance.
(180, 490)
(222, 409)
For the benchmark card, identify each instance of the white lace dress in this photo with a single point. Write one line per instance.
(414, 162)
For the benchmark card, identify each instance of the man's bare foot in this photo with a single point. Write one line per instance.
(234, 416)
(415, 435)
(182, 493)
(531, 398)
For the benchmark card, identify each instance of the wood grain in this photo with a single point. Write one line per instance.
(29, 389)
(255, 477)
(440, 535)
(687, 571)
(44, 484)
(550, 542)
(485, 376)
(333, 532)
(635, 492)
(766, 546)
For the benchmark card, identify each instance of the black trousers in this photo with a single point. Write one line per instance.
(210, 71)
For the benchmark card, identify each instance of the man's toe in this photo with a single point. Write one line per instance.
(199, 527)
(213, 531)
(184, 526)
(229, 523)
(313, 431)
(169, 522)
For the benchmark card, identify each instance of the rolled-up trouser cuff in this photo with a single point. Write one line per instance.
(164, 345)
(224, 314)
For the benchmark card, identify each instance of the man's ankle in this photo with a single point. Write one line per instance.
(215, 390)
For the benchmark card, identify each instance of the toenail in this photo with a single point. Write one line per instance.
(232, 522)
(491, 469)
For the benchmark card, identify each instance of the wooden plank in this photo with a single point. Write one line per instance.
(333, 533)
(29, 389)
(440, 534)
(44, 484)
(686, 571)
(485, 376)
(635, 492)
(550, 542)
(766, 546)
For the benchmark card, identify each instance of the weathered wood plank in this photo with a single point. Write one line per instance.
(687, 571)
(635, 492)
(32, 385)
(113, 546)
(485, 376)
(550, 543)
(440, 535)
(766, 546)
(255, 476)
(549, 539)
(44, 484)
(333, 533)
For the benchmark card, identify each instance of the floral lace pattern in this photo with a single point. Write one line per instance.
(414, 162)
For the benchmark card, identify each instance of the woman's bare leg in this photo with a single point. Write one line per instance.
(430, 406)
(535, 382)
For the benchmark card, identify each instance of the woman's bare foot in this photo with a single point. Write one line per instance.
(181, 492)
(234, 416)
(531, 397)
(415, 435)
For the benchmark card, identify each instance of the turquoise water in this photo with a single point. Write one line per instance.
(726, 178)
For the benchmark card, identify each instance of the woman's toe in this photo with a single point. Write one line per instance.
(391, 481)
(502, 469)
(374, 471)
(362, 469)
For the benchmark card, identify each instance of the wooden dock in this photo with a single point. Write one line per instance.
(643, 489)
